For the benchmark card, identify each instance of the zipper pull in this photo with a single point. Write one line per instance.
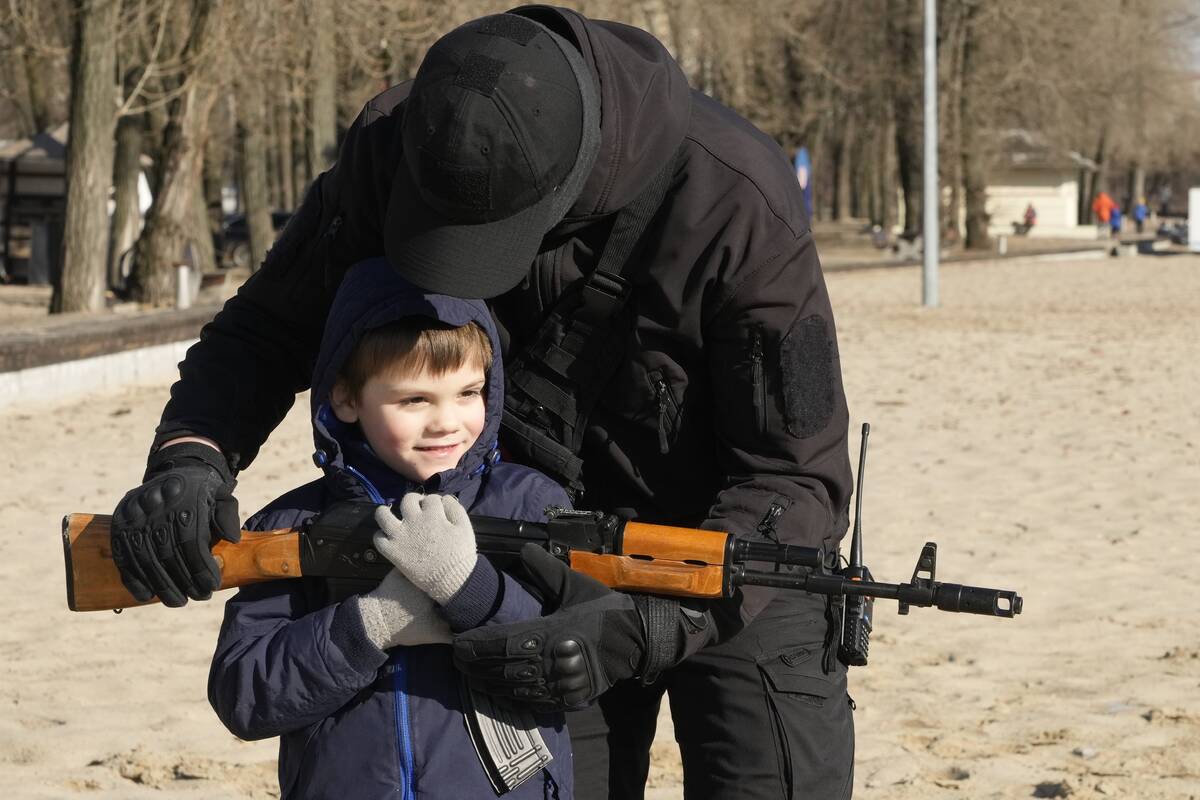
(660, 392)
(766, 527)
(756, 346)
(334, 226)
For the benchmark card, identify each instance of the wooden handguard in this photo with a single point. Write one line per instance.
(659, 559)
(94, 584)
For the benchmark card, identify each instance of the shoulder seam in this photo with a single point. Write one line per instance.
(751, 181)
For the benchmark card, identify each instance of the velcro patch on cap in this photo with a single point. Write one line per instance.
(806, 364)
(479, 73)
(464, 187)
(511, 27)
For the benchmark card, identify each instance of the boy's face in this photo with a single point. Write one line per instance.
(419, 425)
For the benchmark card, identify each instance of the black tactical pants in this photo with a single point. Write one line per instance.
(755, 717)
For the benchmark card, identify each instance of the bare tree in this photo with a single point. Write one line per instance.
(89, 157)
(323, 75)
(171, 222)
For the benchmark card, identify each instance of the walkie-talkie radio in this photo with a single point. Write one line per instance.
(857, 609)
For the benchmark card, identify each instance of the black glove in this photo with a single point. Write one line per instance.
(162, 530)
(563, 661)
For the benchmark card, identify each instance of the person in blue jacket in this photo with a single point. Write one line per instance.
(357, 680)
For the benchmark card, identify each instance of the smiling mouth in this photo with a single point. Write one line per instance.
(439, 450)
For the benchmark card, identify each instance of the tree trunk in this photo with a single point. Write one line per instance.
(904, 21)
(170, 223)
(888, 212)
(971, 135)
(264, 124)
(127, 216)
(1083, 207)
(841, 168)
(1137, 185)
(301, 140)
(956, 21)
(80, 285)
(252, 147)
(201, 231)
(323, 73)
(215, 160)
(283, 148)
(155, 125)
(1097, 181)
(36, 74)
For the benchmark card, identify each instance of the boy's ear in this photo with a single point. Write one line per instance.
(344, 406)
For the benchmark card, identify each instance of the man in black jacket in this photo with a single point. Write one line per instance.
(649, 262)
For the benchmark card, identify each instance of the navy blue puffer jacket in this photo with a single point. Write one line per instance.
(293, 661)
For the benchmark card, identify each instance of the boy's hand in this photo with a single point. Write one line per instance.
(398, 613)
(162, 530)
(432, 543)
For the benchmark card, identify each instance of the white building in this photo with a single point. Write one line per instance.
(1028, 171)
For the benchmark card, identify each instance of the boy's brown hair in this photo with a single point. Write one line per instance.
(413, 345)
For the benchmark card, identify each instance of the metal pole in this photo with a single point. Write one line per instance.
(931, 193)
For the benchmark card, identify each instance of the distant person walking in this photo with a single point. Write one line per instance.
(1114, 220)
(1102, 207)
(1140, 212)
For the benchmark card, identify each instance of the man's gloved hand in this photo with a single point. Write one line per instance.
(432, 543)
(398, 613)
(563, 661)
(162, 530)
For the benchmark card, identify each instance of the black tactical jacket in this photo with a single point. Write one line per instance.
(729, 411)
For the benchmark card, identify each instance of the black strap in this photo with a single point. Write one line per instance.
(660, 618)
(554, 383)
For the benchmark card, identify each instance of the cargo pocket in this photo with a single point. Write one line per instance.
(810, 721)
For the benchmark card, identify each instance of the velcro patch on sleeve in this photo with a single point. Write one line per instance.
(806, 365)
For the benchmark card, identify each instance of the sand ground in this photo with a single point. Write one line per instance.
(1042, 426)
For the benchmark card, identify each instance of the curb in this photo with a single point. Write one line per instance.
(87, 353)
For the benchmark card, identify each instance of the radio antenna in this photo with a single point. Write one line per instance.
(856, 537)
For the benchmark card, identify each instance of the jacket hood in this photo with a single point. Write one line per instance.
(645, 105)
(371, 295)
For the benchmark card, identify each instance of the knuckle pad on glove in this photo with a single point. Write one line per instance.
(172, 487)
(528, 672)
(569, 666)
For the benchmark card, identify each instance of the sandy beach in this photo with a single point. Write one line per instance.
(1042, 427)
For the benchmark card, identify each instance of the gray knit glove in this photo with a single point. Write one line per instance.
(432, 544)
(398, 613)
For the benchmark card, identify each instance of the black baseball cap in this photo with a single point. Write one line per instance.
(499, 133)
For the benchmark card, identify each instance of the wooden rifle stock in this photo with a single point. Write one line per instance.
(94, 584)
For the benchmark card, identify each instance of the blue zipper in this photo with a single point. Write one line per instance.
(399, 680)
(372, 492)
(400, 687)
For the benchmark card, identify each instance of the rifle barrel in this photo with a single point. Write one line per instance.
(945, 596)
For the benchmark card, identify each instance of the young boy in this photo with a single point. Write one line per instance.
(357, 680)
